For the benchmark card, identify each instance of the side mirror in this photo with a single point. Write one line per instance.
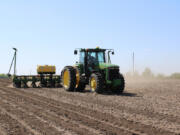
(75, 52)
(112, 53)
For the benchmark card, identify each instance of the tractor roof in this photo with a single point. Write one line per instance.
(92, 50)
(97, 49)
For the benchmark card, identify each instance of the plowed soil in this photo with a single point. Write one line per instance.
(146, 108)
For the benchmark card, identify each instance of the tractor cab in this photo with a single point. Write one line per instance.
(92, 60)
(95, 56)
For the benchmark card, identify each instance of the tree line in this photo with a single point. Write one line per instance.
(3, 76)
(148, 74)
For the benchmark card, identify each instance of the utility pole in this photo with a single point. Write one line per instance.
(133, 63)
(13, 61)
(15, 54)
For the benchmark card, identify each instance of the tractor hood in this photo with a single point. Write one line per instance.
(107, 65)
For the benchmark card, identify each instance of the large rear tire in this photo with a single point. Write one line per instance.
(68, 77)
(80, 84)
(96, 83)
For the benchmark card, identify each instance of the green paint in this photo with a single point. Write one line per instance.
(107, 65)
(116, 82)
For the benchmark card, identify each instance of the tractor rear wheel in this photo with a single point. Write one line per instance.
(68, 77)
(96, 82)
(120, 88)
(80, 84)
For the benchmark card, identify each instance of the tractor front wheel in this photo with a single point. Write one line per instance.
(96, 83)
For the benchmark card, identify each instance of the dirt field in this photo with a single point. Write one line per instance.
(146, 108)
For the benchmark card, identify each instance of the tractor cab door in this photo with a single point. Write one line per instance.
(82, 61)
(92, 60)
(87, 61)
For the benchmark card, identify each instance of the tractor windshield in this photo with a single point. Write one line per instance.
(96, 57)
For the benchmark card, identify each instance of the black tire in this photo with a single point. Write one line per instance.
(17, 84)
(120, 88)
(81, 85)
(24, 84)
(43, 81)
(58, 82)
(33, 84)
(70, 86)
(53, 83)
(99, 82)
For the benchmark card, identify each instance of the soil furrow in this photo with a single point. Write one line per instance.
(107, 129)
(152, 104)
(45, 115)
(2, 131)
(134, 117)
(30, 120)
(104, 104)
(11, 125)
(98, 115)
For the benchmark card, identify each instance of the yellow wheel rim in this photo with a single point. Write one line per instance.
(77, 78)
(66, 79)
(93, 84)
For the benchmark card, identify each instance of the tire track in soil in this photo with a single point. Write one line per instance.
(149, 113)
(106, 118)
(10, 125)
(109, 129)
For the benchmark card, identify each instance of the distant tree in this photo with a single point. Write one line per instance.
(3, 76)
(160, 76)
(175, 76)
(147, 73)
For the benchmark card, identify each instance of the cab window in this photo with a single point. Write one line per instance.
(81, 59)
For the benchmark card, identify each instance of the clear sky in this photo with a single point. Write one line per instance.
(47, 31)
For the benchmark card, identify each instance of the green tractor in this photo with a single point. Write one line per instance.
(94, 68)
